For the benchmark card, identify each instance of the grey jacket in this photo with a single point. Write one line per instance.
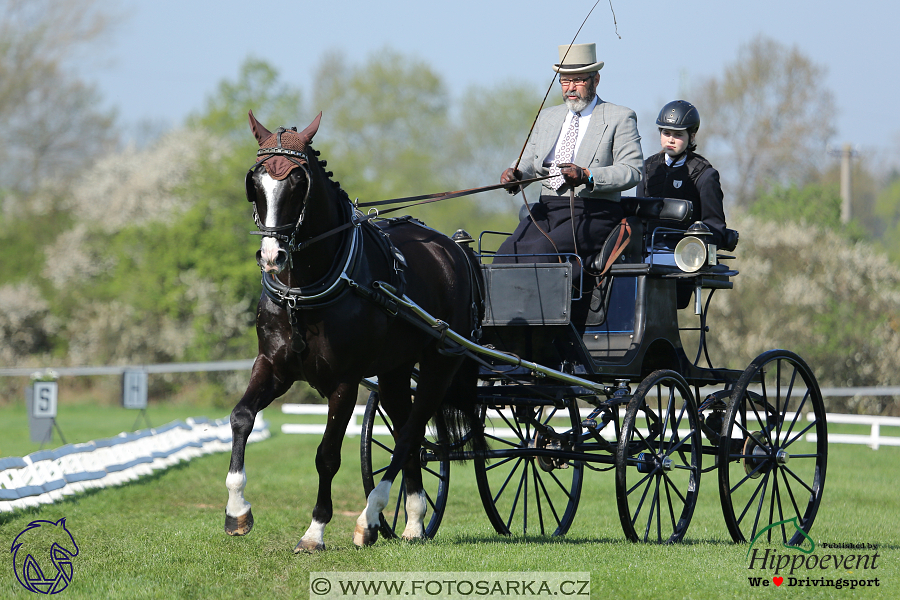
(611, 149)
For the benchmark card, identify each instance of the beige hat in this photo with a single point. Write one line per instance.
(581, 58)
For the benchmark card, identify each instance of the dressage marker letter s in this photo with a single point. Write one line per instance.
(42, 556)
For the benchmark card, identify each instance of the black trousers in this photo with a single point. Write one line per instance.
(594, 220)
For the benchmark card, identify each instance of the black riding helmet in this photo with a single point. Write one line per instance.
(680, 115)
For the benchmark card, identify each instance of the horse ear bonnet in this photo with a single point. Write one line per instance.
(279, 167)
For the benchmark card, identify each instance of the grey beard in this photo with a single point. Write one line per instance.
(578, 105)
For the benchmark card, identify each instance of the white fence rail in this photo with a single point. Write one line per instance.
(873, 440)
(49, 475)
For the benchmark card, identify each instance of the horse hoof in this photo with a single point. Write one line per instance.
(308, 546)
(239, 525)
(365, 536)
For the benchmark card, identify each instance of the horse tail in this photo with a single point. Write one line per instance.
(459, 419)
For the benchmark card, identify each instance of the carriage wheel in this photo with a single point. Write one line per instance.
(376, 449)
(523, 493)
(770, 477)
(658, 460)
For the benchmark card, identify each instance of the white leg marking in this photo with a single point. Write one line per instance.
(235, 483)
(315, 533)
(378, 499)
(416, 506)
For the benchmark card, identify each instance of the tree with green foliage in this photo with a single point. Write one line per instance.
(766, 120)
(815, 204)
(887, 208)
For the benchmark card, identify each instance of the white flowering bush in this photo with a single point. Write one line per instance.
(809, 290)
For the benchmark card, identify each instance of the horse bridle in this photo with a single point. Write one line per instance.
(283, 233)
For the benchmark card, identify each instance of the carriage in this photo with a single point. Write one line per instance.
(580, 367)
(595, 377)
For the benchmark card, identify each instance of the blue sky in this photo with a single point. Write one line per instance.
(167, 55)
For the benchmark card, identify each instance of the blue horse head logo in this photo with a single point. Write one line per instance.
(42, 556)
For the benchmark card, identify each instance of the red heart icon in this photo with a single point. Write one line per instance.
(778, 580)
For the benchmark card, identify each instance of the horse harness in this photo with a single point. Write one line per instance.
(346, 269)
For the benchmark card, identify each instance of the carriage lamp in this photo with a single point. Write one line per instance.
(693, 250)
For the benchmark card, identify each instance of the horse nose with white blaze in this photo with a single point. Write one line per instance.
(271, 256)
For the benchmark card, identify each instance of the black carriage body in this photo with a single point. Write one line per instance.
(576, 380)
(530, 306)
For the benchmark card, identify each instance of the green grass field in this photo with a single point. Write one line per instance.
(163, 537)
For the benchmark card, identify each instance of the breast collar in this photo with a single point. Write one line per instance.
(344, 273)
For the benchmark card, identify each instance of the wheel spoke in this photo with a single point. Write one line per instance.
(522, 480)
(643, 439)
(641, 503)
(653, 504)
(508, 479)
(550, 501)
(385, 420)
(764, 425)
(794, 475)
(747, 476)
(501, 463)
(638, 484)
(680, 443)
(797, 414)
(430, 501)
(750, 502)
(537, 497)
(435, 473)
(790, 493)
(669, 501)
(675, 488)
(787, 399)
(799, 435)
(561, 486)
(513, 426)
(502, 440)
(762, 498)
(400, 497)
(384, 447)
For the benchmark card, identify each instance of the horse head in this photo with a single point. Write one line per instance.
(279, 186)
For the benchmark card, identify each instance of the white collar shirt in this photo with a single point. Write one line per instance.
(583, 122)
(678, 163)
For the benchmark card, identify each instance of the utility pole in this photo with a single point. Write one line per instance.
(846, 153)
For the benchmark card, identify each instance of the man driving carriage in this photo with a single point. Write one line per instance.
(590, 146)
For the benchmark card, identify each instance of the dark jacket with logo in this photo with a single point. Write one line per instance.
(696, 180)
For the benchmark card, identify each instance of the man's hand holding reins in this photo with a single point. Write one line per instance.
(511, 175)
(575, 175)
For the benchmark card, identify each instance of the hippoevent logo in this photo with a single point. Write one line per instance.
(42, 556)
(802, 566)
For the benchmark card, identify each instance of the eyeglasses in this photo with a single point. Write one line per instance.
(573, 80)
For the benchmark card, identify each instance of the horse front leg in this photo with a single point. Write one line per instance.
(328, 460)
(260, 392)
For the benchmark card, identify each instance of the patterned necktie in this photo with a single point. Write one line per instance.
(565, 153)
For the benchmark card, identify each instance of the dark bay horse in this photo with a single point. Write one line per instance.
(321, 319)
